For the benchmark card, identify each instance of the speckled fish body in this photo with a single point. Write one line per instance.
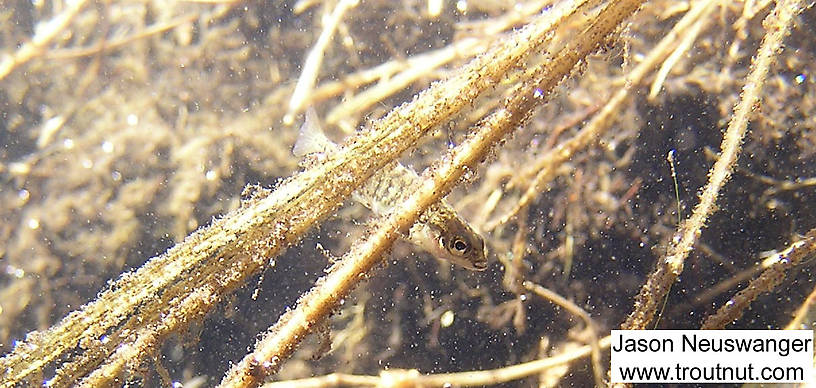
(440, 230)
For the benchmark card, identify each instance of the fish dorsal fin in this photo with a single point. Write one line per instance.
(311, 138)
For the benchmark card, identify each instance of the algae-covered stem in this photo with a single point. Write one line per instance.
(670, 266)
(792, 256)
(544, 169)
(142, 308)
(282, 339)
(41, 39)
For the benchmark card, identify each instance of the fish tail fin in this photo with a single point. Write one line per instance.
(311, 138)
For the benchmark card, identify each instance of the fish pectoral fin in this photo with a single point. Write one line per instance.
(323, 333)
(311, 138)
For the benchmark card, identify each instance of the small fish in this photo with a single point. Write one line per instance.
(440, 230)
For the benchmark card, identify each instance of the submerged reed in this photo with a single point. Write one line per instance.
(117, 336)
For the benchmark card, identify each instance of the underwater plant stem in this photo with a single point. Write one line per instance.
(108, 45)
(597, 368)
(42, 37)
(412, 378)
(220, 257)
(404, 72)
(308, 77)
(685, 45)
(547, 165)
(792, 256)
(777, 25)
(805, 314)
(514, 372)
(281, 340)
(417, 67)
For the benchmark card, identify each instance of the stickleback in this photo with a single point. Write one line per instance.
(440, 230)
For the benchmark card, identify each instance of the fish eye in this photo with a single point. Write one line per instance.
(459, 246)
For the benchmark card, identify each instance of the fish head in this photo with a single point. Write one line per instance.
(460, 244)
